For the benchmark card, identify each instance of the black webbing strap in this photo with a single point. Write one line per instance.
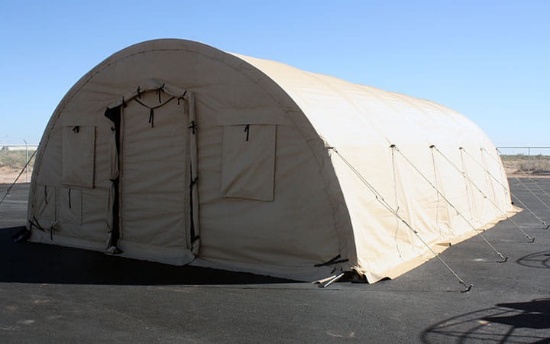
(36, 224)
(152, 117)
(193, 127)
(152, 109)
(159, 92)
(247, 131)
(192, 183)
(182, 97)
(333, 261)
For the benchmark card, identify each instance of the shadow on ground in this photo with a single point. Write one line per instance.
(539, 260)
(513, 322)
(25, 262)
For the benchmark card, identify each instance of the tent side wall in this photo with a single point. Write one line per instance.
(400, 159)
(282, 229)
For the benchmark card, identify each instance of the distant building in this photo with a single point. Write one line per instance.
(10, 148)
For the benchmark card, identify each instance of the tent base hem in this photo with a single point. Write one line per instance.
(172, 256)
(38, 236)
(303, 272)
(438, 248)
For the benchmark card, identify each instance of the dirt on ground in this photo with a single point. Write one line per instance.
(8, 175)
(514, 172)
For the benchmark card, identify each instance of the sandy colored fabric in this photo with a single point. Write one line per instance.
(251, 165)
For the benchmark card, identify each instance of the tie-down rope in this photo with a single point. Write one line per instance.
(483, 194)
(386, 205)
(504, 259)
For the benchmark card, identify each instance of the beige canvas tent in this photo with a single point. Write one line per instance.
(176, 152)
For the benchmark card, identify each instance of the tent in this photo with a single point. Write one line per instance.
(176, 152)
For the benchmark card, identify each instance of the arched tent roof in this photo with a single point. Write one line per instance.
(363, 123)
(350, 164)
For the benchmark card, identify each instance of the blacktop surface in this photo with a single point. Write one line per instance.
(51, 294)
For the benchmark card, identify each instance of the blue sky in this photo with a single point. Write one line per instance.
(488, 59)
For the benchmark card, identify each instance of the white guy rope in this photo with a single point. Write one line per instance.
(483, 194)
(385, 204)
(504, 259)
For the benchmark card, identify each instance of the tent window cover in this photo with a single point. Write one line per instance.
(248, 161)
(78, 156)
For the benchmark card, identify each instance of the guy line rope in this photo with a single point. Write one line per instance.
(388, 207)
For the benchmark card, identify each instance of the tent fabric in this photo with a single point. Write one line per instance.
(281, 169)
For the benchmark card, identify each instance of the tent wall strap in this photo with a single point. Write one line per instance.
(34, 223)
(333, 261)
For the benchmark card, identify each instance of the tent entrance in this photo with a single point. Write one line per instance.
(154, 199)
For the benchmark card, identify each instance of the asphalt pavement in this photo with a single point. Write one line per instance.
(51, 294)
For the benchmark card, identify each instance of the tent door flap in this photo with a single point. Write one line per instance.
(154, 162)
